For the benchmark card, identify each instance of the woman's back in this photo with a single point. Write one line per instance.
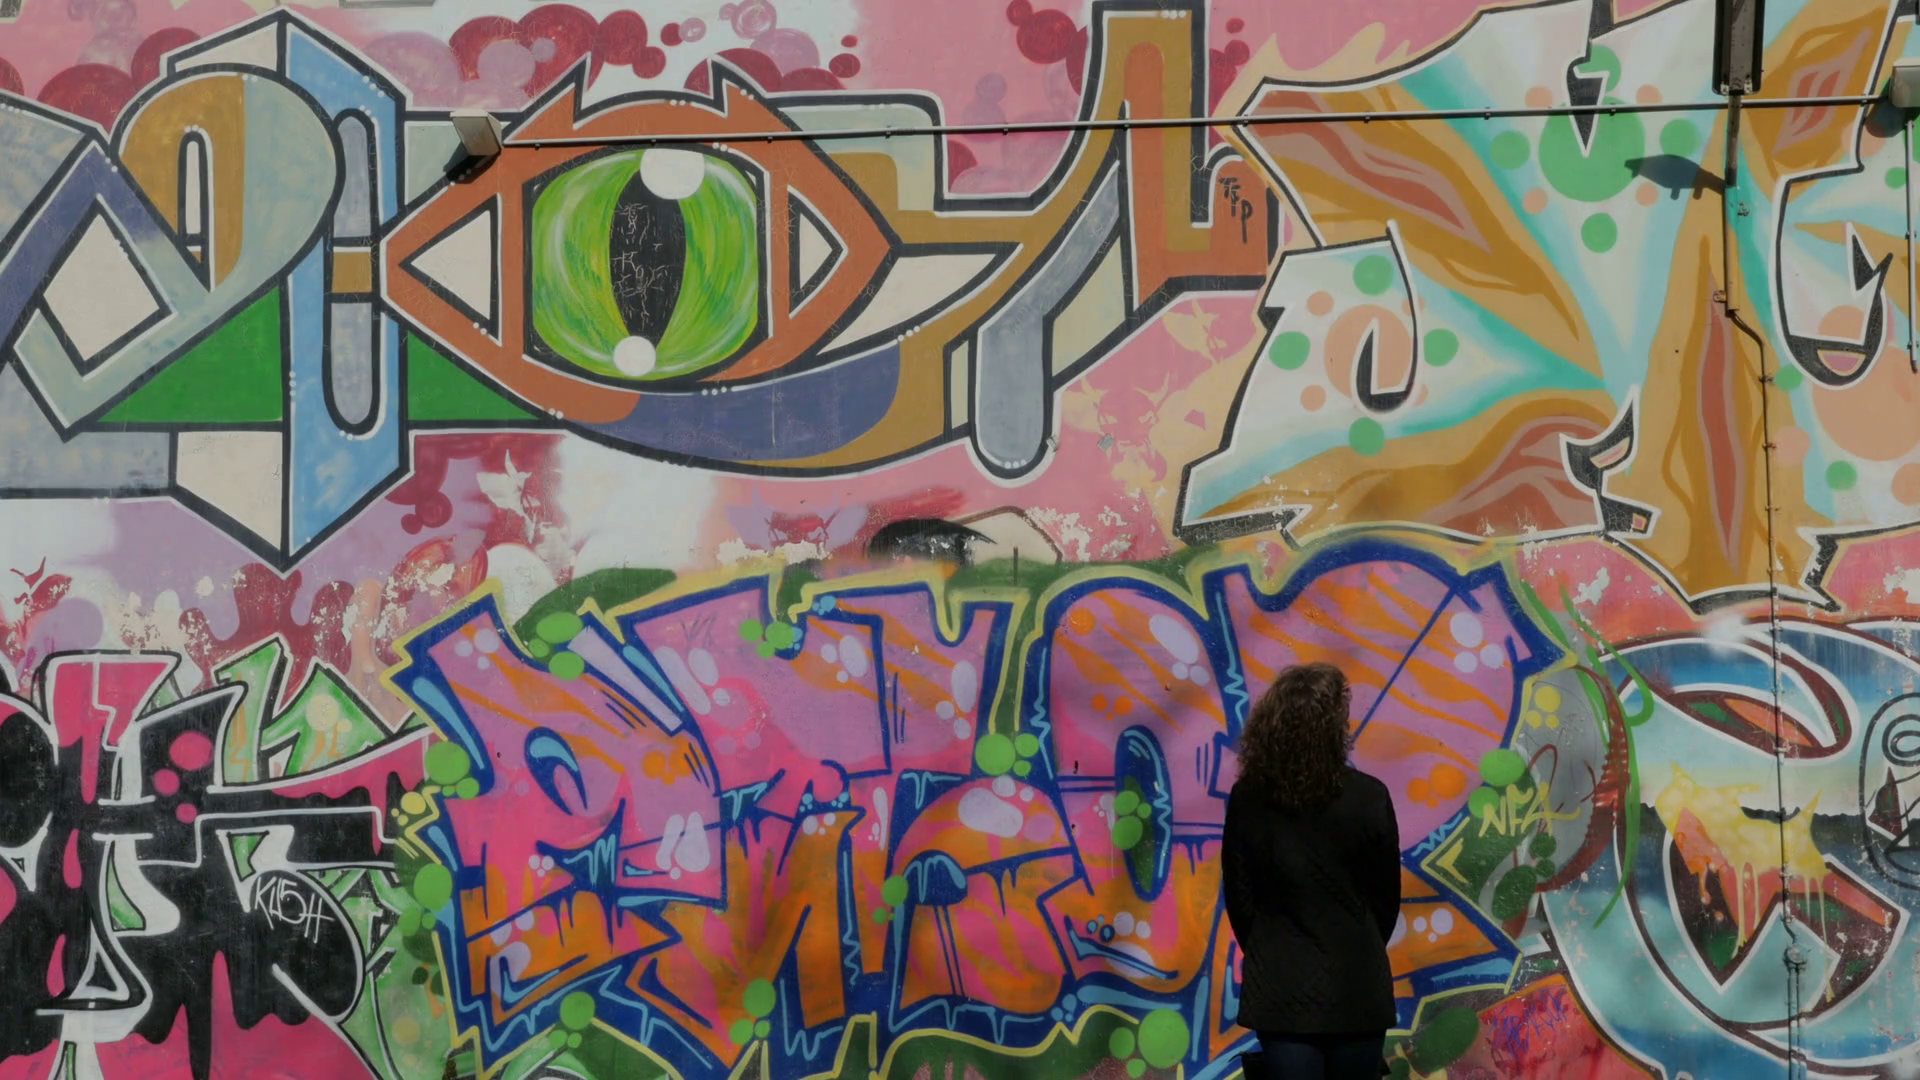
(1313, 894)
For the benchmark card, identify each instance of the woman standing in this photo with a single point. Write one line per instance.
(1311, 861)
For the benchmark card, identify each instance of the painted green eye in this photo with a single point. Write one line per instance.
(646, 264)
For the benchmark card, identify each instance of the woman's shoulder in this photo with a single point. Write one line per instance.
(1367, 784)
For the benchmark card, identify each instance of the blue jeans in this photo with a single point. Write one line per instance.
(1323, 1057)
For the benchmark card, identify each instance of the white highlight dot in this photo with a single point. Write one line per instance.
(1492, 656)
(1467, 663)
(672, 174)
(634, 356)
(1467, 629)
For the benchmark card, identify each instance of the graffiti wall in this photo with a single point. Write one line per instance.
(761, 578)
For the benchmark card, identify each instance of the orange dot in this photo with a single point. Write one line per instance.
(1539, 98)
(654, 763)
(1320, 303)
(1647, 95)
(1790, 446)
(1417, 790)
(1099, 703)
(1534, 202)
(1646, 194)
(1906, 484)
(1313, 397)
(1080, 621)
(1448, 782)
(1122, 706)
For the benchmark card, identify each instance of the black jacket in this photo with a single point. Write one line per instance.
(1313, 898)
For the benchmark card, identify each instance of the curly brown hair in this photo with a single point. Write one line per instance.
(1295, 744)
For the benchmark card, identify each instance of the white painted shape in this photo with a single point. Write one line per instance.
(635, 356)
(97, 294)
(260, 49)
(815, 248)
(461, 262)
(913, 287)
(237, 473)
(671, 173)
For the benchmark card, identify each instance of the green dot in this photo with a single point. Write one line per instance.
(1135, 1068)
(1022, 767)
(433, 886)
(765, 649)
(1120, 1044)
(894, 891)
(763, 1029)
(1367, 437)
(567, 665)
(574, 1041)
(1679, 138)
(1374, 275)
(783, 635)
(1599, 233)
(760, 998)
(1788, 379)
(1896, 178)
(881, 914)
(446, 763)
(1502, 767)
(1543, 845)
(1143, 811)
(1127, 832)
(1841, 475)
(559, 627)
(751, 630)
(1163, 1038)
(576, 1010)
(557, 1040)
(1441, 347)
(410, 922)
(994, 754)
(1289, 350)
(1544, 868)
(467, 788)
(741, 1031)
(428, 921)
(1125, 802)
(1510, 150)
(538, 648)
(1026, 744)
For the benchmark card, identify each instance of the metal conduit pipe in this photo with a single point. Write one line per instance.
(1150, 123)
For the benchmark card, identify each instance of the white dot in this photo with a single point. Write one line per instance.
(827, 820)
(1123, 923)
(1443, 921)
(486, 639)
(1420, 925)
(944, 710)
(842, 676)
(1466, 629)
(533, 862)
(721, 697)
(1493, 656)
(1198, 673)
(1003, 786)
(525, 921)
(1467, 663)
(1142, 930)
(674, 873)
(809, 826)
(829, 653)
(1180, 671)
(1026, 794)
(546, 862)
(634, 356)
(463, 647)
(962, 729)
(672, 174)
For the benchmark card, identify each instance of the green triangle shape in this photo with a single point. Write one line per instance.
(243, 846)
(125, 915)
(234, 376)
(439, 390)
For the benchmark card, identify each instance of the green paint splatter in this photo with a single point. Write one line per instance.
(446, 763)
(760, 998)
(1679, 138)
(1601, 170)
(1127, 832)
(1788, 379)
(433, 886)
(567, 665)
(763, 1029)
(1126, 802)
(1022, 768)
(1136, 1068)
(559, 627)
(894, 891)
(1373, 275)
(1514, 893)
(1599, 233)
(1441, 347)
(1896, 178)
(1289, 350)
(467, 788)
(1502, 767)
(1121, 1043)
(1367, 437)
(1482, 801)
(741, 1031)
(782, 635)
(1026, 744)
(1841, 476)
(576, 1011)
(1510, 149)
(994, 754)
(1164, 1037)
(751, 630)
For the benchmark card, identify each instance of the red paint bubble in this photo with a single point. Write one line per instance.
(846, 65)
(1237, 53)
(620, 38)
(1234, 26)
(10, 79)
(166, 782)
(959, 159)
(191, 751)
(186, 812)
(670, 35)
(650, 63)
(94, 91)
(1019, 11)
(146, 59)
(849, 42)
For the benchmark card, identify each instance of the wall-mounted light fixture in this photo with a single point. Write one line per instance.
(479, 132)
(1904, 87)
